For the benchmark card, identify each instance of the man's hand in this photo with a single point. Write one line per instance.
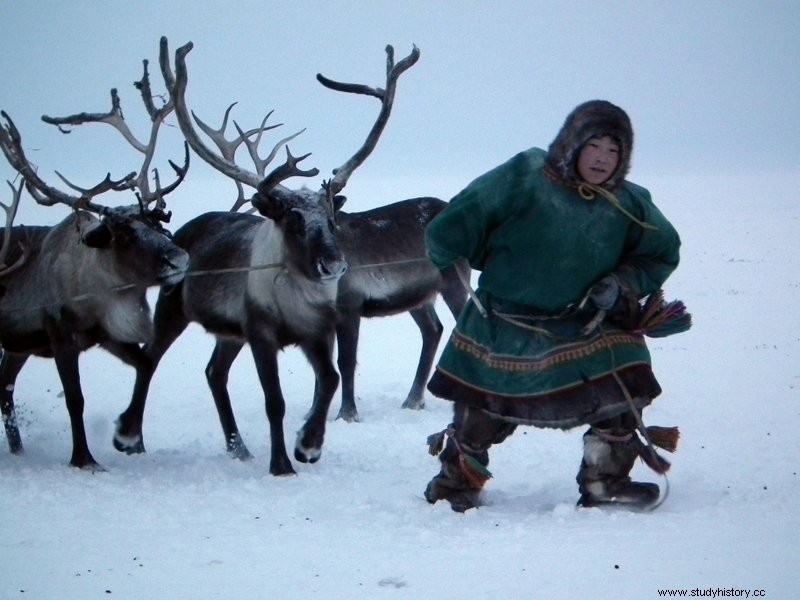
(605, 292)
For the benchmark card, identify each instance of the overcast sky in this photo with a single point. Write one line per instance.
(710, 86)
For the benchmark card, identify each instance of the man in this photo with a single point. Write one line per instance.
(557, 236)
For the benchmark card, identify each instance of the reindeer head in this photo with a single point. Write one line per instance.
(140, 249)
(309, 232)
(131, 239)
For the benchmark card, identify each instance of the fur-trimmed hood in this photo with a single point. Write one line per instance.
(596, 118)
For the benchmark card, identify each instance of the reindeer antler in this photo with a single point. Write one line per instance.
(11, 143)
(136, 181)
(270, 184)
(386, 96)
(228, 148)
(11, 212)
(224, 160)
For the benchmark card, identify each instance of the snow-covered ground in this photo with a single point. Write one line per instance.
(185, 521)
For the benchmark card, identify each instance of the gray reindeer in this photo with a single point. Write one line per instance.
(388, 272)
(83, 281)
(267, 282)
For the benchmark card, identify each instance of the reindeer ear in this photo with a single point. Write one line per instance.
(269, 206)
(338, 202)
(98, 235)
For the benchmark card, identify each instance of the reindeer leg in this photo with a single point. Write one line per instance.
(347, 338)
(66, 356)
(431, 329)
(308, 446)
(10, 366)
(225, 352)
(265, 355)
(168, 323)
(133, 355)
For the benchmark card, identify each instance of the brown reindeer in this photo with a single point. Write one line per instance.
(82, 282)
(390, 274)
(267, 282)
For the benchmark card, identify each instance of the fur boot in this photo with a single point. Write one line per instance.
(465, 457)
(452, 483)
(608, 457)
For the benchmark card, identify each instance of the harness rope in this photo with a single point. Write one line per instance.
(123, 287)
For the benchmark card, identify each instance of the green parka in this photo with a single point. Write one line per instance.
(540, 244)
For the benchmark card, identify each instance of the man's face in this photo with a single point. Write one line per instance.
(598, 160)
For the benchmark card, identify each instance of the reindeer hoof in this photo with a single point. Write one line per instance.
(413, 404)
(94, 468)
(237, 449)
(349, 416)
(281, 468)
(15, 447)
(133, 444)
(89, 465)
(307, 455)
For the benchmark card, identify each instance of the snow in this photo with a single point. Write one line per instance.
(185, 521)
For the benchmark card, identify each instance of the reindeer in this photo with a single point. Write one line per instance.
(267, 282)
(390, 274)
(83, 281)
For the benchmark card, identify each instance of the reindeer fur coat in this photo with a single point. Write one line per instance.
(540, 245)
